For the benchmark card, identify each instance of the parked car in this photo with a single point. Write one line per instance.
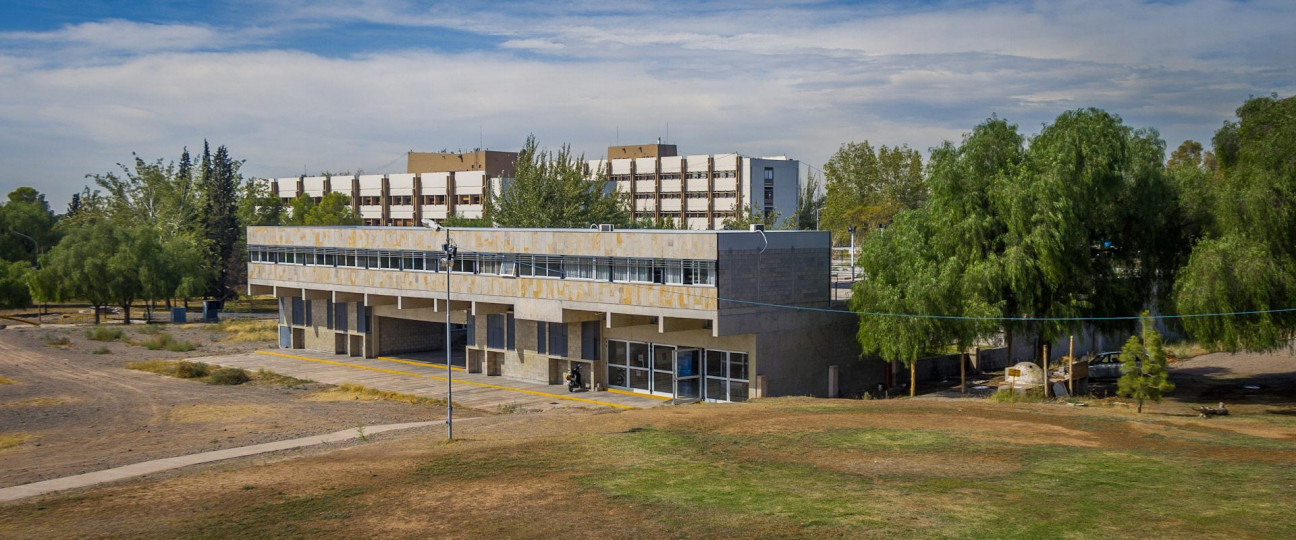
(1105, 366)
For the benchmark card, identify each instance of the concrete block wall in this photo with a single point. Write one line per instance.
(397, 336)
(796, 362)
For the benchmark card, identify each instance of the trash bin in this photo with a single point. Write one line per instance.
(211, 310)
(179, 315)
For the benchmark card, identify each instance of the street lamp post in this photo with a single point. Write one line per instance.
(449, 250)
(851, 230)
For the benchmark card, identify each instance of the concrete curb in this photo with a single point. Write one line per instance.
(158, 465)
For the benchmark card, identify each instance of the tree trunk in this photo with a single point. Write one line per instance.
(913, 378)
(126, 313)
(1140, 406)
(96, 312)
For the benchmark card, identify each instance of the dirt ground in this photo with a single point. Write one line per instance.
(69, 411)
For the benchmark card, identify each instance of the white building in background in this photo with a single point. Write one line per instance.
(435, 185)
(700, 191)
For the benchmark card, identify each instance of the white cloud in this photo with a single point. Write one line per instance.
(760, 80)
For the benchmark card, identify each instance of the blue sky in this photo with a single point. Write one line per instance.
(297, 86)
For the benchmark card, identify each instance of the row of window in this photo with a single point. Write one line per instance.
(691, 175)
(614, 269)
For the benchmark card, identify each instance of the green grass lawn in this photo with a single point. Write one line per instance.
(844, 469)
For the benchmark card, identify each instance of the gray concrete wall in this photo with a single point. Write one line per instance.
(795, 362)
(397, 336)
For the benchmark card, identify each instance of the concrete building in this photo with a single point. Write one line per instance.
(700, 191)
(434, 185)
(691, 315)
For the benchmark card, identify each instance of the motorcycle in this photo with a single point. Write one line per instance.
(574, 382)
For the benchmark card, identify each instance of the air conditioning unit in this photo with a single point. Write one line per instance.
(606, 227)
(756, 227)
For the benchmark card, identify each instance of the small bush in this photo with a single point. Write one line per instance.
(102, 350)
(509, 408)
(248, 330)
(56, 341)
(166, 341)
(103, 333)
(228, 376)
(150, 329)
(185, 369)
(1033, 395)
(270, 377)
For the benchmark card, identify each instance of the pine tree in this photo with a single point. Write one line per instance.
(1144, 372)
(220, 180)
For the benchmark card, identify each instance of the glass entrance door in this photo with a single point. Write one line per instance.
(663, 370)
(688, 374)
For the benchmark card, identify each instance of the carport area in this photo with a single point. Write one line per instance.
(423, 374)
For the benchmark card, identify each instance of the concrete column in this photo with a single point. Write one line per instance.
(833, 386)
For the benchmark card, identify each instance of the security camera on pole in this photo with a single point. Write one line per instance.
(450, 250)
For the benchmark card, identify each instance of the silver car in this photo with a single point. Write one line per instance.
(1105, 366)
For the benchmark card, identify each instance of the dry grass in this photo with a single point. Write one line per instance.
(37, 402)
(274, 379)
(354, 392)
(10, 440)
(7, 380)
(248, 330)
(1184, 350)
(202, 413)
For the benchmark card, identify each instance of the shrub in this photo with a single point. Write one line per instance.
(1033, 395)
(228, 376)
(248, 330)
(56, 341)
(166, 341)
(101, 350)
(103, 333)
(185, 369)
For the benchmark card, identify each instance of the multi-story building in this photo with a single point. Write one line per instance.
(435, 185)
(700, 191)
(714, 315)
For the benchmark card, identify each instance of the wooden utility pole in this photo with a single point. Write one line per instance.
(1071, 367)
(913, 378)
(963, 372)
(1046, 371)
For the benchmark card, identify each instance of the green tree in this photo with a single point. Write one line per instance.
(1246, 258)
(87, 265)
(1144, 372)
(553, 190)
(457, 220)
(810, 203)
(333, 209)
(219, 180)
(258, 207)
(745, 218)
(14, 291)
(866, 188)
(26, 226)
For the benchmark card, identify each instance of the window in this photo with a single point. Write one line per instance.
(434, 200)
(674, 272)
(511, 330)
(542, 339)
(769, 174)
(557, 339)
(468, 199)
(769, 194)
(496, 331)
(578, 267)
(727, 376)
(648, 176)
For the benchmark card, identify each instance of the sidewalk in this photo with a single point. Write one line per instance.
(408, 375)
(158, 465)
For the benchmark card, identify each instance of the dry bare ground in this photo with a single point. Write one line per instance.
(74, 411)
(789, 467)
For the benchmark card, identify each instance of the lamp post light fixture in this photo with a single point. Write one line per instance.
(851, 230)
(449, 250)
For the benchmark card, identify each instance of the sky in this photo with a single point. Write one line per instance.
(295, 87)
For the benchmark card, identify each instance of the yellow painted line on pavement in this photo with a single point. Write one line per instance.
(460, 381)
(336, 363)
(534, 392)
(422, 364)
(629, 393)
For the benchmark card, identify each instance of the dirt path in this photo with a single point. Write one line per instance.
(70, 412)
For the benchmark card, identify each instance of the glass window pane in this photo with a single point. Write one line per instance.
(639, 379)
(715, 364)
(737, 391)
(662, 382)
(639, 355)
(663, 358)
(737, 366)
(715, 389)
(616, 351)
(617, 376)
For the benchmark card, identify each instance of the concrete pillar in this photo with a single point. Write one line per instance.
(833, 386)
